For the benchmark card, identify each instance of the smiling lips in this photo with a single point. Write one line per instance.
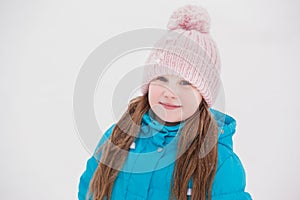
(169, 106)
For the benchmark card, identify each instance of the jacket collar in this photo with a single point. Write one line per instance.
(161, 134)
(149, 119)
(226, 127)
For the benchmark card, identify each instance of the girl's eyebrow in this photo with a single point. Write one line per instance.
(180, 79)
(162, 77)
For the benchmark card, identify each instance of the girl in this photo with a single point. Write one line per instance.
(170, 143)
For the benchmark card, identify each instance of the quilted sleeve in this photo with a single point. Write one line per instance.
(91, 166)
(230, 180)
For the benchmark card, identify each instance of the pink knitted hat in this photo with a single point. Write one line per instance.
(187, 50)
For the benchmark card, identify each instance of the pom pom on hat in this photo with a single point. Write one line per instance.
(190, 17)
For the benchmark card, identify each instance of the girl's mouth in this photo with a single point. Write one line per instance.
(169, 106)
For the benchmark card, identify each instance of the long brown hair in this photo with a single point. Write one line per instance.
(197, 147)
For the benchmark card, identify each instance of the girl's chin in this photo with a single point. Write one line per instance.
(169, 116)
(170, 119)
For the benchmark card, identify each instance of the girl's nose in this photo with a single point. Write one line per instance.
(168, 93)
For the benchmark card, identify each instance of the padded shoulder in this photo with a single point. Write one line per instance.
(230, 180)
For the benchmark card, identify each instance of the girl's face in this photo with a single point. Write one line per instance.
(173, 99)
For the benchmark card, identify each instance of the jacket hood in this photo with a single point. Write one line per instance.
(161, 133)
(226, 125)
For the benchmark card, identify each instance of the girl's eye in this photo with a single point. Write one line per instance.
(161, 78)
(185, 83)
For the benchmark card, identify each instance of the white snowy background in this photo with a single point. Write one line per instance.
(44, 44)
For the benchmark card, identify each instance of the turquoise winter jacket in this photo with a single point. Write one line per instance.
(148, 169)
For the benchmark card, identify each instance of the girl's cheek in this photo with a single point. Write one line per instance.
(155, 90)
(188, 97)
